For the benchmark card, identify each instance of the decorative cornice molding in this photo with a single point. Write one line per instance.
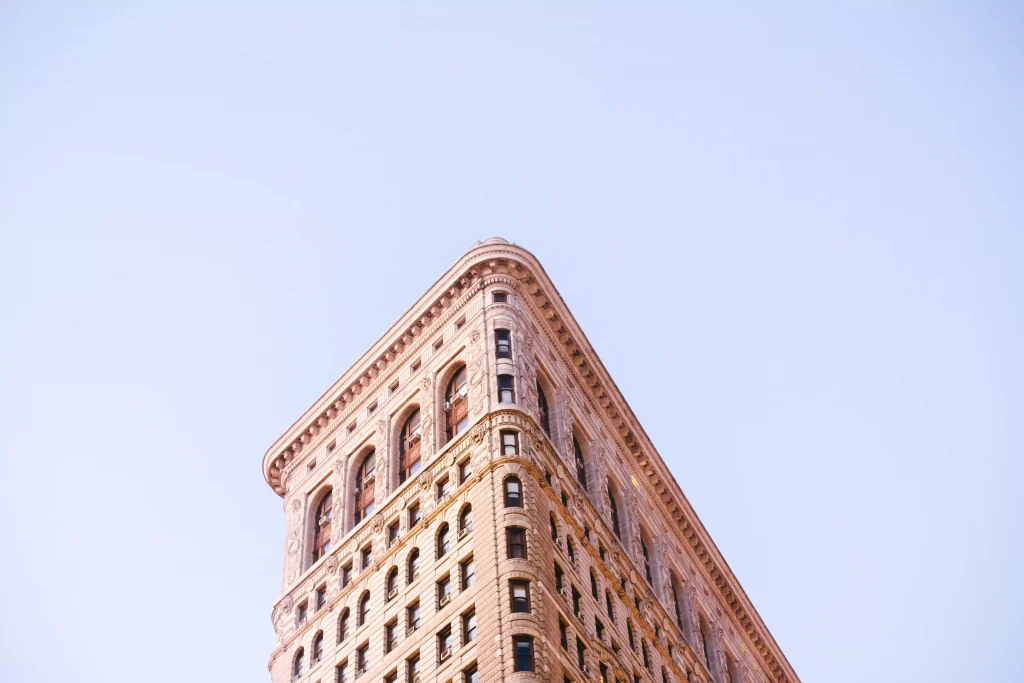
(549, 312)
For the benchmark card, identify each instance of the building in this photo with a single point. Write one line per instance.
(474, 501)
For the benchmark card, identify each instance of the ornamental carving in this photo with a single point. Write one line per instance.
(424, 481)
(381, 427)
(475, 337)
(425, 383)
(478, 433)
(578, 501)
(378, 524)
(332, 564)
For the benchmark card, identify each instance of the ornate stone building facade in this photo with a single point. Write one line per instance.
(474, 501)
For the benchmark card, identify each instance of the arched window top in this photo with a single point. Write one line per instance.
(554, 527)
(299, 663)
(647, 556)
(410, 431)
(581, 465)
(365, 480)
(466, 520)
(409, 446)
(364, 608)
(456, 404)
(322, 525)
(367, 471)
(413, 565)
(443, 542)
(318, 646)
(392, 583)
(513, 492)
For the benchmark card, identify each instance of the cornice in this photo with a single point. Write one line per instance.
(549, 312)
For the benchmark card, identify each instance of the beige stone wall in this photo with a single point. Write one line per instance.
(464, 334)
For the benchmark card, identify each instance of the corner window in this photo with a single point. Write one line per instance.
(502, 344)
(500, 297)
(443, 544)
(322, 526)
(513, 492)
(409, 447)
(515, 539)
(542, 408)
(523, 648)
(519, 595)
(506, 389)
(509, 442)
(364, 493)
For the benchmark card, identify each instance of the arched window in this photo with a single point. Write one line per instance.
(299, 665)
(443, 544)
(409, 447)
(392, 584)
(413, 565)
(615, 512)
(513, 492)
(343, 626)
(581, 466)
(647, 561)
(542, 407)
(364, 608)
(365, 477)
(322, 526)
(554, 527)
(456, 404)
(466, 520)
(502, 344)
(569, 549)
(593, 584)
(318, 647)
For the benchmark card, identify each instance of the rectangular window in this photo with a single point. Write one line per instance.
(392, 533)
(506, 389)
(300, 614)
(416, 365)
(439, 343)
(563, 634)
(393, 388)
(523, 648)
(465, 471)
(414, 515)
(468, 573)
(500, 297)
(390, 635)
(366, 555)
(519, 595)
(515, 538)
(341, 672)
(444, 644)
(598, 628)
(321, 597)
(509, 443)
(351, 428)
(470, 675)
(443, 488)
(412, 669)
(362, 659)
(503, 343)
(559, 574)
(412, 616)
(391, 677)
(372, 407)
(576, 602)
(460, 322)
(469, 627)
(581, 653)
(444, 592)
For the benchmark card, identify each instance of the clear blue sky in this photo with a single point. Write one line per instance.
(794, 235)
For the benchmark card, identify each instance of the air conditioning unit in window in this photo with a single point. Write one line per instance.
(324, 519)
(392, 594)
(446, 653)
(414, 437)
(579, 615)
(559, 543)
(586, 669)
(445, 599)
(463, 532)
(564, 592)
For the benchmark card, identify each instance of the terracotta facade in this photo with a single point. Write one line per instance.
(620, 581)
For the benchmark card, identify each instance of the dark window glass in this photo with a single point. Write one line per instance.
(503, 343)
(513, 490)
(542, 407)
(516, 541)
(519, 593)
(506, 389)
(509, 443)
(523, 646)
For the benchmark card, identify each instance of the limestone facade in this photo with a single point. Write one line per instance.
(597, 570)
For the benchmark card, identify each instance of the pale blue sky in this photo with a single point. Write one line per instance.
(794, 236)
